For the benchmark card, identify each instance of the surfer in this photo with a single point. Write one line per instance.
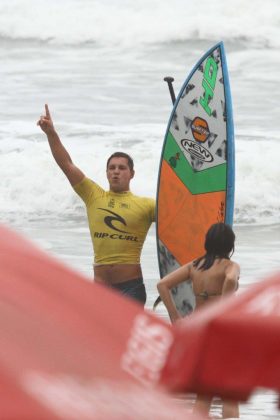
(213, 276)
(118, 219)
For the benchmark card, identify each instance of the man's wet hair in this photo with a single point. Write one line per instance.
(122, 155)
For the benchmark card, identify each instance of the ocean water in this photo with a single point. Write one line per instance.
(100, 66)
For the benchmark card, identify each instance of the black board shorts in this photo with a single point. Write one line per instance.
(134, 289)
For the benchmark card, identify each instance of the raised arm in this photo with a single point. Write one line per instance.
(60, 154)
(165, 285)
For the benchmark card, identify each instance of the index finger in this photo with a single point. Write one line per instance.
(47, 111)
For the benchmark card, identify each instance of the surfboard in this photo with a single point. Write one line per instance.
(196, 172)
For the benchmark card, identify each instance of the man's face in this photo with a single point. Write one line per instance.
(119, 174)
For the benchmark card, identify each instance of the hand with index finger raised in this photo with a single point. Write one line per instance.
(45, 121)
(48, 114)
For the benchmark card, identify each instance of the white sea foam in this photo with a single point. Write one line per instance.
(106, 99)
(32, 185)
(257, 192)
(125, 22)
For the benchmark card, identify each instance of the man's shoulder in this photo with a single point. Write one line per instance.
(147, 205)
(87, 182)
(88, 189)
(145, 200)
(142, 197)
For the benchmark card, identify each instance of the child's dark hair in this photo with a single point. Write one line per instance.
(219, 243)
(123, 155)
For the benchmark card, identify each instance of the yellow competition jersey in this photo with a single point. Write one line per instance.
(118, 222)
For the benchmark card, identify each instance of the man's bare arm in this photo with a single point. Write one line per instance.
(60, 154)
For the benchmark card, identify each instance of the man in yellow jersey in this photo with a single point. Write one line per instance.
(118, 220)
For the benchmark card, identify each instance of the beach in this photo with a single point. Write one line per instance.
(100, 67)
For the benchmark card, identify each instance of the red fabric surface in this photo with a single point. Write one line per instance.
(231, 347)
(72, 349)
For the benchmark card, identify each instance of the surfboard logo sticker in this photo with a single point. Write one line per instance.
(196, 150)
(200, 129)
(208, 84)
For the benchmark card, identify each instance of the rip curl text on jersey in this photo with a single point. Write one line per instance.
(118, 222)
